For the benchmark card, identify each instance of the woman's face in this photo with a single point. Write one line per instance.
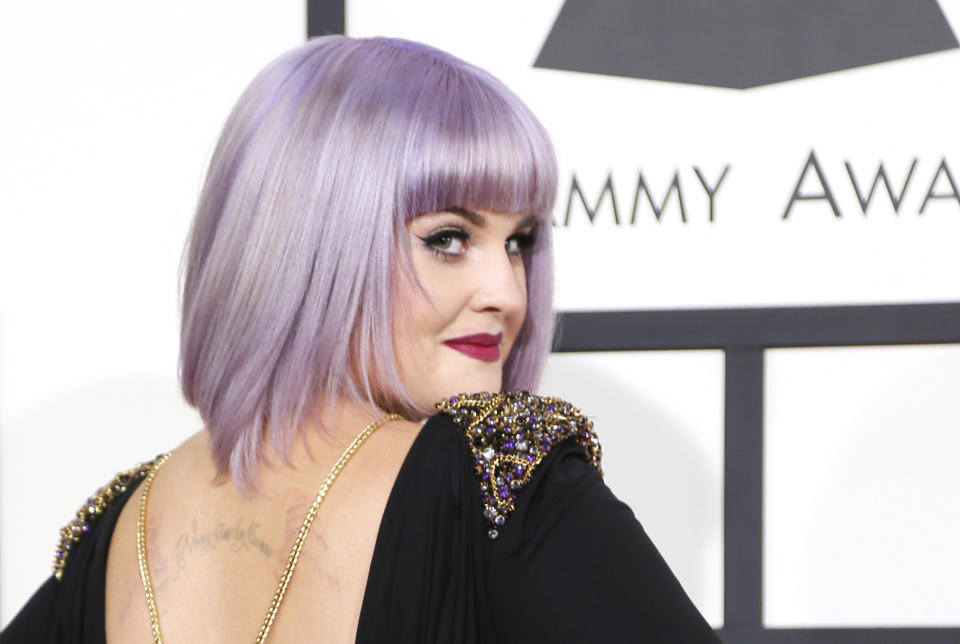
(456, 334)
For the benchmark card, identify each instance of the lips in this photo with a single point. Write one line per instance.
(482, 346)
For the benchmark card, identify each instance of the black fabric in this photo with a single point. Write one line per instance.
(71, 611)
(571, 564)
(427, 581)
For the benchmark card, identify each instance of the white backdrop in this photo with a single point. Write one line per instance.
(109, 116)
(110, 113)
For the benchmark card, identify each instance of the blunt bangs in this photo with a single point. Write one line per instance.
(479, 149)
(290, 265)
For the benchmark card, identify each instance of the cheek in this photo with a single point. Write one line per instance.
(522, 282)
(442, 297)
(421, 312)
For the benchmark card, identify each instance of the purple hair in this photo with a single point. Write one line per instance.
(293, 252)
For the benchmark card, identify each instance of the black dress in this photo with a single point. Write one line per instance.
(498, 528)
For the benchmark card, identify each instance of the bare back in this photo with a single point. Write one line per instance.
(216, 556)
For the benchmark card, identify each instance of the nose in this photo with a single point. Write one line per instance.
(500, 284)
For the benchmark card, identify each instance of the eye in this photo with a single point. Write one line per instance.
(516, 243)
(448, 243)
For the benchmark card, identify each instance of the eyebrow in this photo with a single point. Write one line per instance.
(474, 218)
(479, 220)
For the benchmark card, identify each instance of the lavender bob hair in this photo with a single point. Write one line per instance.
(300, 232)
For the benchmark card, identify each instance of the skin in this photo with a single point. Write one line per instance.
(215, 555)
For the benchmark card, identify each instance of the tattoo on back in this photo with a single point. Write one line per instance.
(240, 536)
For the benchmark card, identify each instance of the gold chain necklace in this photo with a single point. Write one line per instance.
(294, 552)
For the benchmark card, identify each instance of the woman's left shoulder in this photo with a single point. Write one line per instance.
(114, 492)
(560, 529)
(511, 434)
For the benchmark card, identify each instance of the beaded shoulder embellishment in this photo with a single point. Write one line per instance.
(510, 433)
(96, 505)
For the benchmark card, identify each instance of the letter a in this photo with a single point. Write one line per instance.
(826, 194)
(955, 194)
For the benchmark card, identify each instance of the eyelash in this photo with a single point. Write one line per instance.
(431, 241)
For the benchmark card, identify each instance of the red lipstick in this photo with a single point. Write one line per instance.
(482, 346)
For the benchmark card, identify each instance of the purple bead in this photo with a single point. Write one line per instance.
(59, 554)
(489, 430)
(453, 399)
(485, 475)
(508, 445)
(509, 476)
(85, 527)
(530, 458)
(503, 491)
(518, 470)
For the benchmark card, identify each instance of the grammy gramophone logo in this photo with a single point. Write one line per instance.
(739, 43)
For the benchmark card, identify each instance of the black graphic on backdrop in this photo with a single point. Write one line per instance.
(739, 43)
(326, 17)
(745, 335)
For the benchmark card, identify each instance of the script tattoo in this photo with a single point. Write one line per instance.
(240, 536)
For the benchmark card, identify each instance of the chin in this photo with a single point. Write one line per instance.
(469, 386)
(475, 386)
(461, 376)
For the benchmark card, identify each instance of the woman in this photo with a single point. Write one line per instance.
(373, 237)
